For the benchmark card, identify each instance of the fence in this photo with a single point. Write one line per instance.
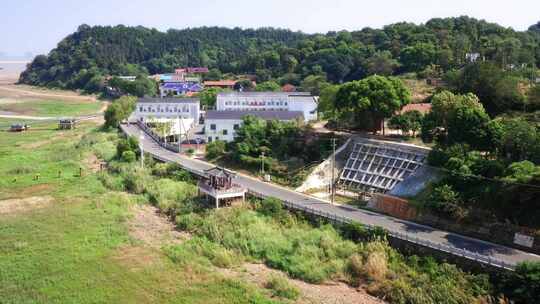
(474, 256)
(157, 138)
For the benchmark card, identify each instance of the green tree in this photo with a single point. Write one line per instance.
(533, 98)
(416, 57)
(314, 84)
(327, 102)
(119, 110)
(381, 63)
(208, 97)
(268, 86)
(497, 89)
(410, 121)
(215, 149)
(377, 96)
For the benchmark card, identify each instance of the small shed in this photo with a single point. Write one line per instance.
(67, 123)
(219, 184)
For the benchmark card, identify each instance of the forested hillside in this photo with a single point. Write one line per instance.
(84, 57)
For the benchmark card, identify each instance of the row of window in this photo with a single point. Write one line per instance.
(255, 109)
(256, 103)
(184, 109)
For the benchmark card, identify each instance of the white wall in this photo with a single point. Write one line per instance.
(309, 108)
(221, 124)
(167, 110)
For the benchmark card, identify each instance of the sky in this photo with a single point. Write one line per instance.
(36, 26)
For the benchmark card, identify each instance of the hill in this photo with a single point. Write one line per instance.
(84, 57)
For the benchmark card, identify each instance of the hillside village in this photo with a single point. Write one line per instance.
(334, 168)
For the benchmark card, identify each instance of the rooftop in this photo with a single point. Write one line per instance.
(267, 115)
(263, 94)
(167, 100)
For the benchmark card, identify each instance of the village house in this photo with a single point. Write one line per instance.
(302, 102)
(181, 114)
(222, 125)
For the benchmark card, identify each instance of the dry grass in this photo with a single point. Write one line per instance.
(376, 266)
(18, 205)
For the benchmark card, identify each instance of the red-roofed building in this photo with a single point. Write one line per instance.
(423, 108)
(288, 88)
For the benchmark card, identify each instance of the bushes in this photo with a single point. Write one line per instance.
(127, 144)
(319, 254)
(215, 149)
(280, 287)
(129, 156)
(171, 196)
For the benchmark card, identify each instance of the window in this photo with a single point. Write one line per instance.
(209, 139)
(236, 126)
(213, 127)
(225, 132)
(140, 109)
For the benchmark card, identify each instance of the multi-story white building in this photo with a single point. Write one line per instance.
(182, 113)
(222, 125)
(269, 101)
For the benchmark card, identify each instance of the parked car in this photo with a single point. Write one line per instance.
(19, 127)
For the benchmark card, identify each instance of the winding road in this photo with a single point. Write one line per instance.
(482, 251)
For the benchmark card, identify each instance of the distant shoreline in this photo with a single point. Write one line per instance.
(14, 61)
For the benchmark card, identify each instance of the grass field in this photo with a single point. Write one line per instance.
(65, 238)
(51, 107)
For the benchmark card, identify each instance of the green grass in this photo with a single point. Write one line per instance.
(52, 107)
(77, 249)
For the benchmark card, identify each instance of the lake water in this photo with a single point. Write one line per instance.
(12, 68)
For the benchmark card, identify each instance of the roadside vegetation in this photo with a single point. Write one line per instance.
(287, 150)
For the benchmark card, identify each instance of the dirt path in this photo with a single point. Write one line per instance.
(18, 205)
(154, 231)
(9, 89)
(329, 293)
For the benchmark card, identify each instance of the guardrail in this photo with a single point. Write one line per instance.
(474, 256)
(157, 138)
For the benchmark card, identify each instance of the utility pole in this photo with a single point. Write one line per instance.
(333, 189)
(141, 138)
(262, 163)
(180, 135)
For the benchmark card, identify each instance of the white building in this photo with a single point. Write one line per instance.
(269, 101)
(182, 113)
(222, 125)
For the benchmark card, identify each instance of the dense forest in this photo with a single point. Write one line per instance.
(82, 59)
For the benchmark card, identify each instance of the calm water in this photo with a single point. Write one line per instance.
(12, 68)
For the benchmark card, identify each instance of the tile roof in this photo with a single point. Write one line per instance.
(267, 115)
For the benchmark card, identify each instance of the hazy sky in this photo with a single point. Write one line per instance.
(37, 25)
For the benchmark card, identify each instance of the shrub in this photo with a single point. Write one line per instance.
(271, 207)
(280, 287)
(129, 156)
(171, 196)
(136, 180)
(376, 266)
(215, 149)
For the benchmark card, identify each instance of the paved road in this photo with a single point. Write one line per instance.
(412, 230)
